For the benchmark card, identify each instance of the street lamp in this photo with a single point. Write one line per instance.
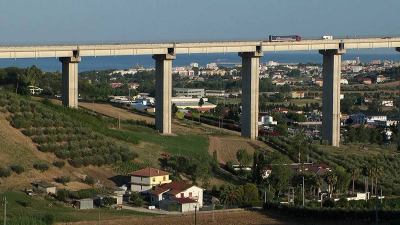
(322, 197)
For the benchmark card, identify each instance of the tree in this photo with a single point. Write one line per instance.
(355, 173)
(41, 166)
(243, 157)
(201, 102)
(331, 179)
(229, 196)
(280, 178)
(250, 194)
(343, 179)
(17, 168)
(174, 109)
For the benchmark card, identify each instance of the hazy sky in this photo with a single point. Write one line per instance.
(39, 21)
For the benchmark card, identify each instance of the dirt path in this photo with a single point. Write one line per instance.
(220, 218)
(111, 111)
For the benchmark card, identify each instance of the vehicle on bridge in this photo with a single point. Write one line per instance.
(284, 38)
(327, 37)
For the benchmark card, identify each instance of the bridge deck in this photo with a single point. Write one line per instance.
(48, 51)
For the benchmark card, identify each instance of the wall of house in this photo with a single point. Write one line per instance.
(197, 193)
(140, 187)
(140, 184)
(189, 207)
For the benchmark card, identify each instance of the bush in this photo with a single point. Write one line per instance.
(62, 180)
(59, 164)
(18, 169)
(41, 166)
(5, 172)
(62, 195)
(328, 203)
(89, 180)
(136, 200)
(108, 201)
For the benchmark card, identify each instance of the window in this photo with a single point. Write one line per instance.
(154, 179)
(182, 195)
(190, 194)
(165, 178)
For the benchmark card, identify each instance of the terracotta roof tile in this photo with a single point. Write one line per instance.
(149, 172)
(173, 188)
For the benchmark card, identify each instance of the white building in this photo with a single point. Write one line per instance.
(344, 81)
(356, 69)
(387, 103)
(189, 92)
(35, 90)
(187, 196)
(212, 66)
(272, 63)
(267, 120)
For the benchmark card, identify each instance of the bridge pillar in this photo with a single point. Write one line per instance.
(250, 93)
(70, 81)
(164, 91)
(332, 60)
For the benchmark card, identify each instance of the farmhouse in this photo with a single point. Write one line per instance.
(145, 179)
(177, 195)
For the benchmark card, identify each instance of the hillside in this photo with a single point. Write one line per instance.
(36, 131)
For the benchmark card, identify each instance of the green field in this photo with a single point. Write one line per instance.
(22, 208)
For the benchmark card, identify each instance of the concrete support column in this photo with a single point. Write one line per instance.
(70, 81)
(164, 91)
(250, 93)
(331, 95)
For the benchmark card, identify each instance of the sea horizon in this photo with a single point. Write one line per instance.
(126, 62)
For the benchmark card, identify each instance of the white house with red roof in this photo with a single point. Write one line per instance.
(177, 195)
(145, 179)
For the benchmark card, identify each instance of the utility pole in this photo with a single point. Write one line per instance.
(99, 218)
(195, 215)
(5, 210)
(119, 122)
(303, 192)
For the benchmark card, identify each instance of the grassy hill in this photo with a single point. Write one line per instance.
(84, 141)
(36, 131)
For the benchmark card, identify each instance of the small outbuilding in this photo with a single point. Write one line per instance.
(86, 203)
(45, 187)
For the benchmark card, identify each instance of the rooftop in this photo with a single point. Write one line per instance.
(149, 172)
(173, 188)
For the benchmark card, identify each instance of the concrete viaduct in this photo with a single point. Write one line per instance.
(249, 51)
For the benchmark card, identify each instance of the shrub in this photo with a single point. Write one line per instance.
(329, 203)
(108, 201)
(89, 180)
(5, 172)
(41, 166)
(62, 179)
(59, 164)
(62, 195)
(77, 162)
(136, 200)
(17, 169)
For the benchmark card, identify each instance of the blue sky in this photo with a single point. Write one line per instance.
(41, 21)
